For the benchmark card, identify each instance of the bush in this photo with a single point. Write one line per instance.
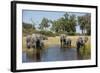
(28, 31)
(47, 33)
(71, 33)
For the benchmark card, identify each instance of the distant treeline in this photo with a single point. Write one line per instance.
(64, 25)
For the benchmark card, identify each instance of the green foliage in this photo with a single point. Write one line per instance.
(28, 31)
(27, 28)
(85, 23)
(47, 33)
(55, 26)
(66, 16)
(71, 33)
(27, 25)
(66, 23)
(44, 23)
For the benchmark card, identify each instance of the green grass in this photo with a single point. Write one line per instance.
(86, 51)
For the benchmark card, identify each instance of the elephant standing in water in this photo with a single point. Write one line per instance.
(68, 42)
(28, 41)
(37, 41)
(81, 43)
(65, 42)
(33, 40)
(62, 40)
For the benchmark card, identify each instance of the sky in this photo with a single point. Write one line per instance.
(36, 16)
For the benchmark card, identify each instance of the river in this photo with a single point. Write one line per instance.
(54, 53)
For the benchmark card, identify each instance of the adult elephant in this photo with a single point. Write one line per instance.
(37, 41)
(68, 42)
(62, 40)
(81, 44)
(33, 40)
(28, 41)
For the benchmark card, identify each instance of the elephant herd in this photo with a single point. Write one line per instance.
(37, 41)
(66, 42)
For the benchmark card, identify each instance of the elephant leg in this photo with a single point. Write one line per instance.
(61, 43)
(28, 45)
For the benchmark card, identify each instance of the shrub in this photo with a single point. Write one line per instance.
(47, 33)
(71, 33)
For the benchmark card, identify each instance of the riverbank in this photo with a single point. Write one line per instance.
(51, 41)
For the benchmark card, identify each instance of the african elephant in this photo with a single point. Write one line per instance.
(33, 40)
(68, 42)
(37, 41)
(28, 41)
(62, 40)
(81, 42)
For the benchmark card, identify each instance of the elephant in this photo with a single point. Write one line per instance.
(62, 40)
(28, 41)
(68, 42)
(81, 43)
(33, 40)
(37, 41)
(65, 42)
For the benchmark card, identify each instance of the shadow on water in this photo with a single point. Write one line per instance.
(54, 53)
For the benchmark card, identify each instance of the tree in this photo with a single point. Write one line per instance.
(44, 23)
(27, 28)
(70, 22)
(88, 23)
(82, 23)
(64, 24)
(66, 16)
(33, 23)
(61, 23)
(27, 25)
(85, 23)
(55, 26)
